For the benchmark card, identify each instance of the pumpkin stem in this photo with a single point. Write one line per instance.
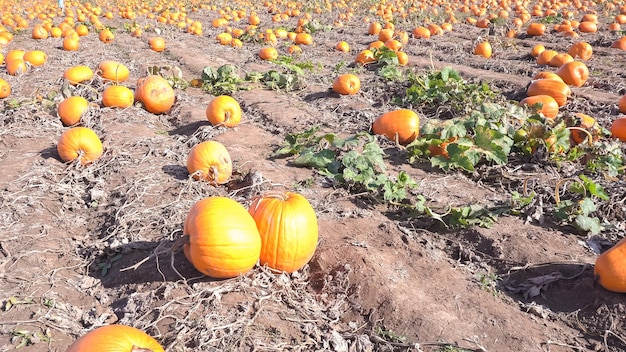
(275, 194)
(589, 135)
(557, 198)
(140, 349)
(212, 175)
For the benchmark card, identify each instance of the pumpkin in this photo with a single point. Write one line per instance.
(542, 103)
(79, 143)
(618, 128)
(78, 74)
(547, 75)
(385, 34)
(36, 57)
(401, 125)
(393, 44)
(71, 109)
(421, 32)
(224, 110)
(39, 32)
(303, 39)
(609, 268)
(224, 241)
(347, 84)
(268, 53)
(546, 56)
(483, 49)
(155, 93)
(574, 73)
(535, 29)
(558, 90)
(588, 27)
(288, 228)
(118, 97)
(5, 89)
(70, 44)
(583, 50)
(403, 58)
(82, 30)
(106, 36)
(365, 57)
(560, 59)
(16, 67)
(157, 44)
(116, 338)
(585, 122)
(210, 161)
(113, 71)
(15, 54)
(342, 46)
(374, 28)
(619, 43)
(621, 104)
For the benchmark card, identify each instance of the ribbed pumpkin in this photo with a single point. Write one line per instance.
(574, 73)
(268, 53)
(5, 89)
(71, 109)
(116, 338)
(365, 57)
(546, 56)
(583, 50)
(78, 74)
(113, 71)
(157, 44)
(483, 49)
(558, 90)
(70, 44)
(118, 97)
(16, 67)
(560, 59)
(36, 57)
(79, 143)
(106, 36)
(402, 125)
(347, 84)
(224, 110)
(535, 29)
(155, 93)
(547, 75)
(288, 227)
(210, 161)
(224, 241)
(610, 268)
(542, 103)
(618, 128)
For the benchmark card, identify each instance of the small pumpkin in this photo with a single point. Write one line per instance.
(39, 32)
(483, 49)
(210, 161)
(224, 241)
(78, 74)
(70, 44)
(116, 338)
(155, 93)
(560, 59)
(574, 73)
(401, 125)
(586, 122)
(303, 39)
(118, 97)
(618, 128)
(619, 43)
(113, 71)
(535, 29)
(609, 268)
(36, 57)
(157, 44)
(546, 56)
(268, 53)
(80, 143)
(342, 46)
(558, 90)
(347, 84)
(365, 57)
(621, 104)
(542, 103)
(224, 110)
(106, 36)
(288, 228)
(71, 109)
(5, 89)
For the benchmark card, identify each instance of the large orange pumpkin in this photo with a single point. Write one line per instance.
(583, 50)
(36, 57)
(401, 125)
(224, 241)
(210, 161)
(558, 90)
(116, 338)
(574, 73)
(78, 74)
(113, 71)
(157, 44)
(347, 84)
(118, 97)
(5, 89)
(224, 110)
(542, 103)
(618, 128)
(483, 49)
(610, 268)
(71, 109)
(535, 29)
(268, 53)
(621, 104)
(155, 93)
(288, 227)
(79, 143)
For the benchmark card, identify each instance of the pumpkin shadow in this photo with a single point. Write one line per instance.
(321, 95)
(50, 153)
(189, 129)
(178, 172)
(135, 263)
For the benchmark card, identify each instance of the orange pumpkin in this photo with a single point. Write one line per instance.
(558, 90)
(155, 93)
(16, 67)
(401, 125)
(78, 74)
(365, 57)
(106, 36)
(347, 84)
(618, 128)
(210, 161)
(542, 103)
(116, 338)
(546, 56)
(483, 49)
(609, 268)
(288, 227)
(36, 57)
(157, 44)
(574, 73)
(79, 143)
(586, 122)
(421, 32)
(403, 58)
(536, 50)
(118, 97)
(619, 43)
(342, 46)
(303, 39)
(224, 241)
(70, 44)
(560, 59)
(547, 75)
(224, 110)
(583, 50)
(535, 29)
(5, 89)
(71, 109)
(621, 104)
(39, 32)
(588, 27)
(268, 53)
(113, 71)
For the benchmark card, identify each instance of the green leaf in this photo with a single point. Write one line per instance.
(587, 206)
(588, 224)
(317, 160)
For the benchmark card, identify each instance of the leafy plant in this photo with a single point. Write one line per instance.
(580, 213)
(388, 334)
(222, 81)
(172, 74)
(387, 64)
(26, 338)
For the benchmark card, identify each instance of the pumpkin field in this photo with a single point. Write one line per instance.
(323, 175)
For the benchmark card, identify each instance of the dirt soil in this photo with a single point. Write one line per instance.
(381, 279)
